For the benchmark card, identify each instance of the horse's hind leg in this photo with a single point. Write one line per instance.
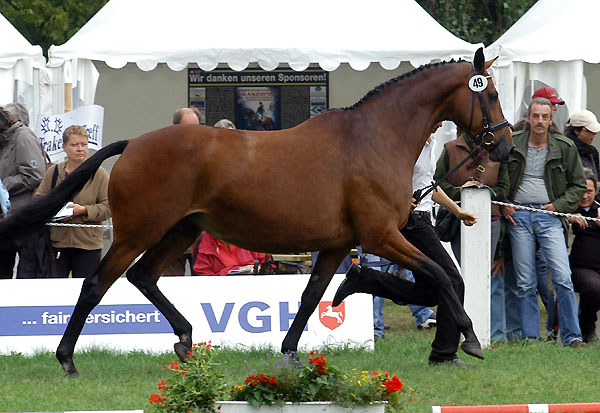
(322, 272)
(93, 289)
(145, 273)
(398, 249)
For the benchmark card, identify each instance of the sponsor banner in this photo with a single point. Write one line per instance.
(50, 128)
(235, 311)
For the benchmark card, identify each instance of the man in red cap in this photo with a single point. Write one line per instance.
(551, 95)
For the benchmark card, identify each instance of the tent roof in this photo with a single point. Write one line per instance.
(552, 30)
(14, 46)
(269, 32)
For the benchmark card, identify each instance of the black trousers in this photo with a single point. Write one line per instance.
(79, 262)
(7, 263)
(587, 283)
(421, 233)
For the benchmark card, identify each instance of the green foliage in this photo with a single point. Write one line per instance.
(197, 384)
(48, 22)
(297, 380)
(477, 20)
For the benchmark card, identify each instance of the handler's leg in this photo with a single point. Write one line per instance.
(423, 236)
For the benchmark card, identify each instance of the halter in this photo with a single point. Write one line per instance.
(485, 138)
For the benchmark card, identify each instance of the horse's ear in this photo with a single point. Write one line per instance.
(479, 60)
(490, 62)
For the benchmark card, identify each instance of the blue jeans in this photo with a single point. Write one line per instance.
(547, 296)
(378, 324)
(511, 300)
(548, 231)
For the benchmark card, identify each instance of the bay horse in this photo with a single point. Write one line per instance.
(340, 179)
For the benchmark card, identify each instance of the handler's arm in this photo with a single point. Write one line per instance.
(441, 198)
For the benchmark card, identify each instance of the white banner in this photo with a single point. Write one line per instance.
(232, 311)
(50, 128)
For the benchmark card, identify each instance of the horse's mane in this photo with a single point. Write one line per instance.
(395, 80)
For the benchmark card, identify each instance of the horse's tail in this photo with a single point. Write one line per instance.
(32, 216)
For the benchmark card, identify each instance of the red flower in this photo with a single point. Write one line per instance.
(162, 385)
(273, 380)
(155, 398)
(174, 365)
(393, 384)
(319, 361)
(190, 355)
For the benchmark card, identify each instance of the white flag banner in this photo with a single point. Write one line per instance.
(50, 128)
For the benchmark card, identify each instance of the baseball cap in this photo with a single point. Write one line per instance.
(586, 119)
(548, 93)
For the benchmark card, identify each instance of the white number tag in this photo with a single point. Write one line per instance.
(478, 83)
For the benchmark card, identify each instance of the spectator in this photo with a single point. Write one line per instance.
(22, 167)
(555, 101)
(545, 173)
(582, 128)
(541, 267)
(18, 111)
(479, 171)
(585, 260)
(189, 116)
(420, 232)
(78, 249)
(216, 257)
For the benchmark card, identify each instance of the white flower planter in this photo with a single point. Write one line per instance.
(308, 407)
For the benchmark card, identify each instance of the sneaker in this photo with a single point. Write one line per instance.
(575, 343)
(348, 286)
(429, 323)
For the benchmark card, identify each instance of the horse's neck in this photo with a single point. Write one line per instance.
(410, 108)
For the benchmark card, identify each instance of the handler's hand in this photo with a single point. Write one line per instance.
(466, 217)
(413, 204)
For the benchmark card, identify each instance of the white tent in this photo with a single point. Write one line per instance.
(270, 33)
(20, 65)
(553, 43)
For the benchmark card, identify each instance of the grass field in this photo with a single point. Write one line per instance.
(511, 374)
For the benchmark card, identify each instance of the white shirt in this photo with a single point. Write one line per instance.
(423, 174)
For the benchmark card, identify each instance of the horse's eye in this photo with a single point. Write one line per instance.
(493, 97)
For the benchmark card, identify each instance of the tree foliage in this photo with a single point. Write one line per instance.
(48, 22)
(477, 20)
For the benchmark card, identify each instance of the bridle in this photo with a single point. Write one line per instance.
(486, 136)
(484, 139)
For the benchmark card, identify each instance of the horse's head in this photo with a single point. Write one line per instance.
(484, 122)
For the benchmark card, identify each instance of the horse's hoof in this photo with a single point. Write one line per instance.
(72, 375)
(472, 349)
(182, 351)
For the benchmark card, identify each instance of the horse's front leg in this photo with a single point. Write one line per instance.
(322, 273)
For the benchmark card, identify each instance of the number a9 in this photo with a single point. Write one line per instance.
(478, 83)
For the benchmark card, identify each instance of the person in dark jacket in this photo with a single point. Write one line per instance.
(22, 167)
(585, 261)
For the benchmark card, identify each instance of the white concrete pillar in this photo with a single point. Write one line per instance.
(476, 261)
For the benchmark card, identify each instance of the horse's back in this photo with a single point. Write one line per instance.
(241, 184)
